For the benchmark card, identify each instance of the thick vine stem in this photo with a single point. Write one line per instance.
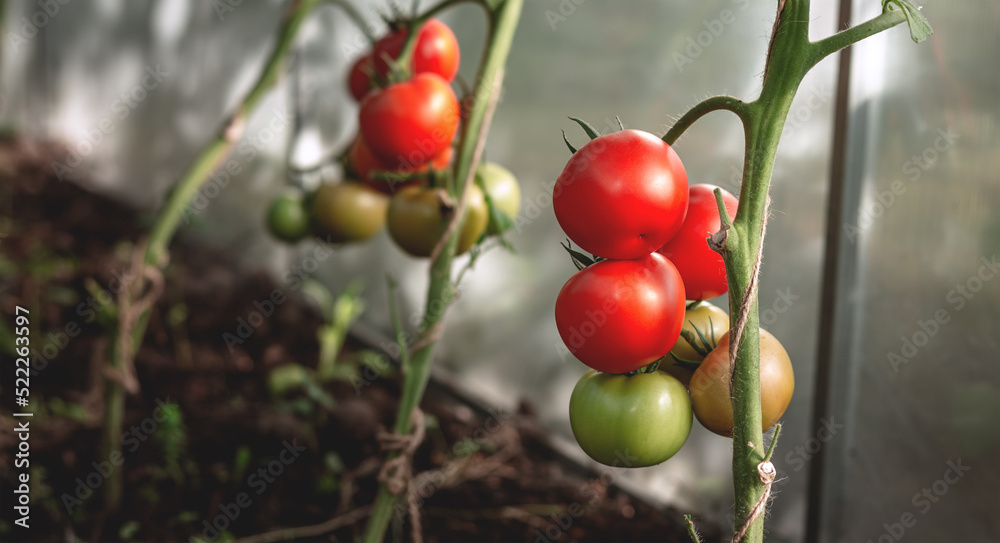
(790, 56)
(503, 18)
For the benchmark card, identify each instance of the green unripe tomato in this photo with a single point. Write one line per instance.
(503, 190)
(348, 212)
(288, 219)
(415, 220)
(630, 421)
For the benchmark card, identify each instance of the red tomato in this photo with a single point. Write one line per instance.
(619, 315)
(622, 195)
(703, 270)
(436, 51)
(365, 164)
(410, 122)
(358, 81)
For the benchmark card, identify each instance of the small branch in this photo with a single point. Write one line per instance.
(717, 241)
(691, 529)
(446, 4)
(714, 103)
(774, 441)
(827, 46)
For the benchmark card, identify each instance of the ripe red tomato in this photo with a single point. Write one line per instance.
(622, 195)
(358, 80)
(619, 315)
(703, 270)
(410, 122)
(364, 163)
(436, 51)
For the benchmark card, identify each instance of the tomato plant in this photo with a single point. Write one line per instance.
(622, 195)
(412, 122)
(504, 192)
(709, 385)
(288, 218)
(416, 221)
(436, 51)
(703, 270)
(348, 212)
(630, 420)
(619, 315)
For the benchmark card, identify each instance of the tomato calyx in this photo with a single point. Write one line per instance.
(580, 259)
(689, 365)
(697, 340)
(591, 132)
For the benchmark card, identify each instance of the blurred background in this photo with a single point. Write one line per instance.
(909, 386)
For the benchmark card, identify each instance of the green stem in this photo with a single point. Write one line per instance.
(714, 103)
(692, 532)
(173, 211)
(790, 56)
(503, 23)
(840, 40)
(180, 197)
(112, 437)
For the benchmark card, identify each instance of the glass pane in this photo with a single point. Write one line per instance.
(918, 369)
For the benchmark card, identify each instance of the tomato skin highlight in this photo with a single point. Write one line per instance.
(630, 421)
(703, 269)
(619, 315)
(410, 123)
(622, 195)
(709, 387)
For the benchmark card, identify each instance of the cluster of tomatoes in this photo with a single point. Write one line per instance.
(624, 198)
(399, 161)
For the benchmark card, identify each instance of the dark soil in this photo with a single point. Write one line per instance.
(484, 476)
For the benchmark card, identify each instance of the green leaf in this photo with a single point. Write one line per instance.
(920, 28)
(590, 130)
(620, 125)
(568, 144)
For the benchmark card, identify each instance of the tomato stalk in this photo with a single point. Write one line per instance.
(170, 216)
(503, 17)
(790, 56)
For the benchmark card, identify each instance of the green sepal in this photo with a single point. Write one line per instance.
(590, 130)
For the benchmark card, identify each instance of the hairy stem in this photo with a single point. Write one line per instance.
(790, 56)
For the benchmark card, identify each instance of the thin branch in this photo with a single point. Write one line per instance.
(714, 103)
(827, 46)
